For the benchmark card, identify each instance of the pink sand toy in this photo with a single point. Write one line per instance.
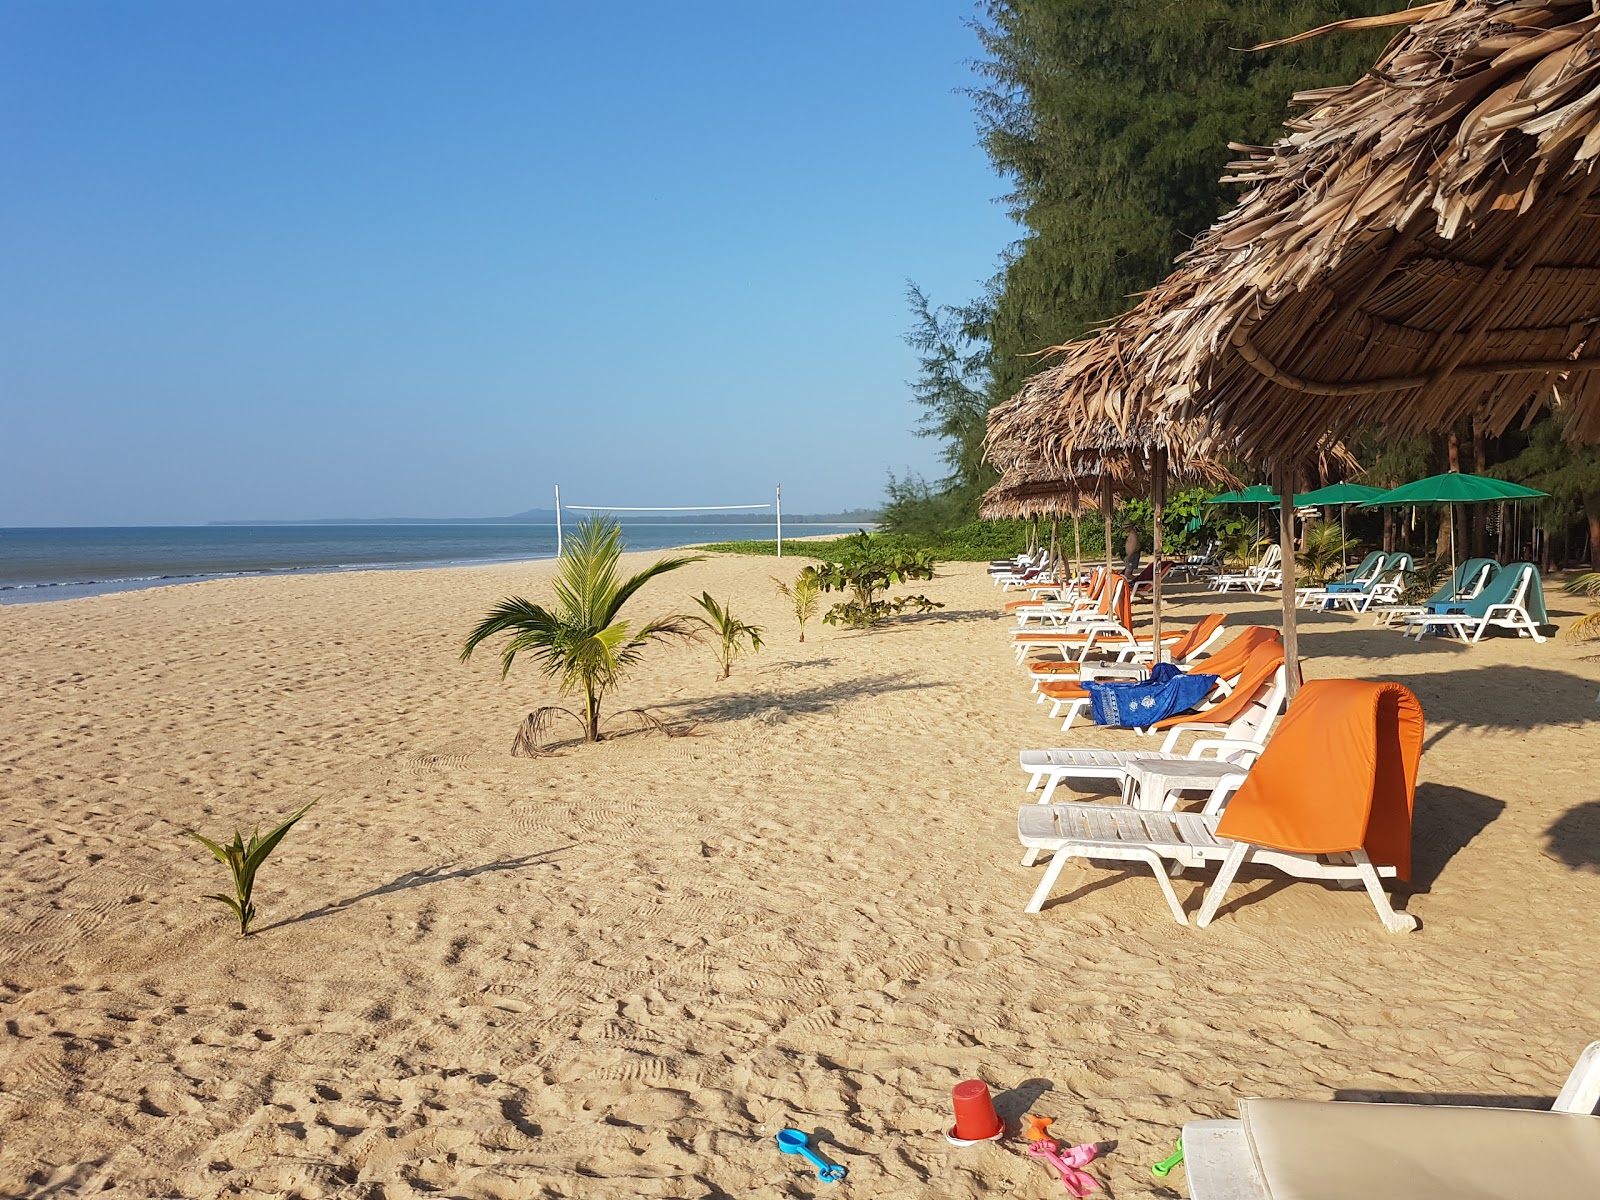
(1067, 1162)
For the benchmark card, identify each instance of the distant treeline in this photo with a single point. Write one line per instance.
(547, 516)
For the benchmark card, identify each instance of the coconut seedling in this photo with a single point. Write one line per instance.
(243, 860)
(805, 593)
(732, 634)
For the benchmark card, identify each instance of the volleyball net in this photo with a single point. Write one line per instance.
(776, 504)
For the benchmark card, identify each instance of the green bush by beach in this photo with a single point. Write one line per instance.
(977, 541)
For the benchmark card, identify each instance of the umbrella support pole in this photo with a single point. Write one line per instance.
(1291, 632)
(1105, 509)
(1158, 502)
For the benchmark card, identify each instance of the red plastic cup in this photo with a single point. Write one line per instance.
(976, 1119)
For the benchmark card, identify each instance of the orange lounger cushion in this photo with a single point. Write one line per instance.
(1341, 775)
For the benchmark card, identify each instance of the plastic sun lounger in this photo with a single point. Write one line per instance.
(1071, 697)
(1241, 723)
(1312, 814)
(1183, 647)
(1423, 1152)
(1364, 575)
(1502, 605)
(1469, 580)
(1111, 616)
(1253, 579)
(1385, 589)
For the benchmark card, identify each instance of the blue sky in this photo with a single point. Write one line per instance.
(295, 259)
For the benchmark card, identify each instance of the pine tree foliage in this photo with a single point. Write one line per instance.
(1111, 119)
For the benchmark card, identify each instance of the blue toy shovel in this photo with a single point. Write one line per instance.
(792, 1141)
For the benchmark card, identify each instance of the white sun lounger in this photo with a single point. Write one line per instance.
(1253, 579)
(1239, 741)
(1513, 615)
(1330, 1150)
(1329, 813)
(1127, 834)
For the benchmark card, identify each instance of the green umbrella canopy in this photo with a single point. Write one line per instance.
(1258, 494)
(1340, 493)
(1454, 487)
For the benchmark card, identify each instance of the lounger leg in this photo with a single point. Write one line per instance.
(1031, 855)
(1034, 780)
(1158, 868)
(1058, 859)
(1237, 857)
(1394, 922)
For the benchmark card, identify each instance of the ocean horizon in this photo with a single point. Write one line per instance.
(40, 564)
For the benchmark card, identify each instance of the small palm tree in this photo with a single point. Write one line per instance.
(1323, 550)
(732, 633)
(581, 642)
(805, 594)
(1587, 627)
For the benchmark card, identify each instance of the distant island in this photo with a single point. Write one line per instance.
(547, 516)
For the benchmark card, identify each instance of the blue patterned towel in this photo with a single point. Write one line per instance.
(1166, 693)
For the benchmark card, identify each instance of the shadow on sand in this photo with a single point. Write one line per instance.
(799, 702)
(1574, 838)
(422, 878)
(1443, 823)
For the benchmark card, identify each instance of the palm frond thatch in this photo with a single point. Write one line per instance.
(1423, 246)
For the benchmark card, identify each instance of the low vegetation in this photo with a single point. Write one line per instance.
(867, 566)
(732, 636)
(1323, 551)
(244, 860)
(1586, 628)
(805, 593)
(582, 641)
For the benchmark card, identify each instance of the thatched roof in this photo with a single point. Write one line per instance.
(1422, 247)
(1030, 488)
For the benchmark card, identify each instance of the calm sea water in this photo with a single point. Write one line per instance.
(58, 564)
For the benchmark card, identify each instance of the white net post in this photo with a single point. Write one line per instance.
(558, 520)
(778, 499)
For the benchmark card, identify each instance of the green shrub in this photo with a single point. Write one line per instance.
(867, 565)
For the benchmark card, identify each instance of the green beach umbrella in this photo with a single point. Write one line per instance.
(1339, 493)
(1344, 495)
(1258, 493)
(1452, 488)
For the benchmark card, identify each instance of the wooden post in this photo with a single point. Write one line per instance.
(1158, 501)
(1105, 510)
(1077, 539)
(1291, 634)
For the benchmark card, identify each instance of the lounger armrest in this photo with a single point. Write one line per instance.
(1169, 745)
(1581, 1092)
(1225, 746)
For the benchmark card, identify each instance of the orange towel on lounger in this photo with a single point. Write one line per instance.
(1116, 605)
(1339, 774)
(1263, 656)
(1256, 673)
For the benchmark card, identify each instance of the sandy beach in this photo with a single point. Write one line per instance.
(618, 971)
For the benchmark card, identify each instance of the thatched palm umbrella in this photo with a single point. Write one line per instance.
(1027, 489)
(1027, 438)
(1423, 247)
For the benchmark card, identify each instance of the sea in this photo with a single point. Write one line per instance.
(61, 564)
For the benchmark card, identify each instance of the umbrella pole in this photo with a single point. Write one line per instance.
(1344, 539)
(1077, 539)
(1291, 632)
(1158, 500)
(1105, 508)
(1452, 541)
